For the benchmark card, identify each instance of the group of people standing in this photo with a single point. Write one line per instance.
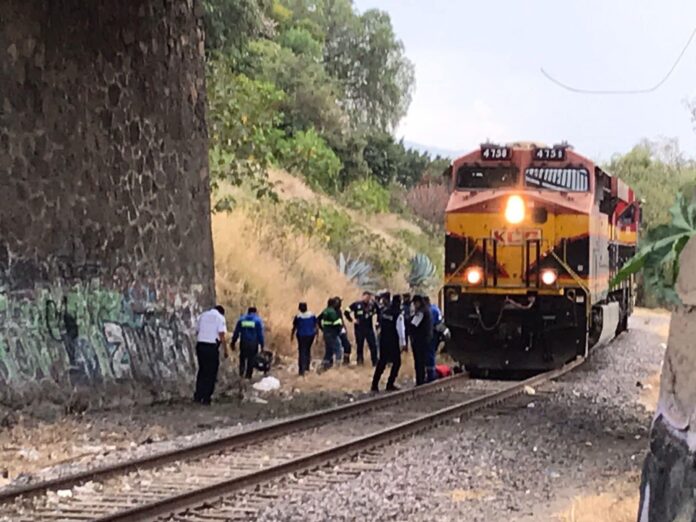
(400, 320)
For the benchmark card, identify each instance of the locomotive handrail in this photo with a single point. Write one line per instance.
(572, 272)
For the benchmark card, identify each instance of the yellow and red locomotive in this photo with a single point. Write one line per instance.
(534, 237)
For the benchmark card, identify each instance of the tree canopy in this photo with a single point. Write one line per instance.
(313, 86)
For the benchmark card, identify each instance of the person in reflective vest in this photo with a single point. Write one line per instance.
(361, 313)
(304, 326)
(421, 330)
(331, 325)
(249, 330)
(436, 316)
(392, 337)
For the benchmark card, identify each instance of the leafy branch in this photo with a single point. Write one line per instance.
(659, 257)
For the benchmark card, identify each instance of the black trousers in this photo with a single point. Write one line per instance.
(387, 355)
(247, 358)
(304, 348)
(208, 365)
(362, 335)
(420, 355)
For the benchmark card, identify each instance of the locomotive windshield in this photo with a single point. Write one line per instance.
(486, 177)
(561, 179)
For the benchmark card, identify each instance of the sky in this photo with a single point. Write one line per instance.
(478, 71)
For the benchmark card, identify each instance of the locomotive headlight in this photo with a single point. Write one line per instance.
(514, 210)
(474, 275)
(548, 277)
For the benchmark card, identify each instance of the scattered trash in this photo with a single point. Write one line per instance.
(257, 400)
(457, 420)
(267, 384)
(663, 346)
(64, 493)
(588, 444)
(531, 405)
(529, 390)
(29, 454)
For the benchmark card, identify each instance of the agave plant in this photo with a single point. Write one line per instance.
(357, 271)
(422, 272)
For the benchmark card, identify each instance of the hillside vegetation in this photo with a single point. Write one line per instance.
(313, 195)
(274, 254)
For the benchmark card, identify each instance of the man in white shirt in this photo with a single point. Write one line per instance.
(210, 332)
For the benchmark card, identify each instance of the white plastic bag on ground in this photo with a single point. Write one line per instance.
(267, 384)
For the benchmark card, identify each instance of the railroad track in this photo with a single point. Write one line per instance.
(183, 482)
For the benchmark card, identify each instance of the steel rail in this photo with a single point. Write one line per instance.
(274, 429)
(196, 498)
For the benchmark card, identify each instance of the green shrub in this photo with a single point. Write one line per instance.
(307, 154)
(242, 119)
(336, 230)
(367, 195)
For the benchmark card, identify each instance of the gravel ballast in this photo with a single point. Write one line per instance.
(518, 462)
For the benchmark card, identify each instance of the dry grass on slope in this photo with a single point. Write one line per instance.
(258, 264)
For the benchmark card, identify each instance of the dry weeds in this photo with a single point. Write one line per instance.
(257, 264)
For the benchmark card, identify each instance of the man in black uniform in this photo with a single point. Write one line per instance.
(392, 337)
(360, 313)
(421, 331)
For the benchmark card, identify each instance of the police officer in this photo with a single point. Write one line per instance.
(421, 329)
(304, 326)
(331, 325)
(392, 337)
(436, 316)
(361, 313)
(250, 329)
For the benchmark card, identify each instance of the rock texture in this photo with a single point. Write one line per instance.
(668, 486)
(105, 242)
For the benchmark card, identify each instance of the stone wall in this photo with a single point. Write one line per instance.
(105, 241)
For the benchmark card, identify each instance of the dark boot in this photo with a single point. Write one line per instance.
(346, 359)
(392, 387)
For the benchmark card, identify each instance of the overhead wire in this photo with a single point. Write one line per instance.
(625, 91)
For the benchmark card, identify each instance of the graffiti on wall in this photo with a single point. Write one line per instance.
(86, 332)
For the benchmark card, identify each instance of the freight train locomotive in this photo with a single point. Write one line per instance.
(534, 236)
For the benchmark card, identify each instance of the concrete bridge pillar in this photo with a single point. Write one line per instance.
(105, 241)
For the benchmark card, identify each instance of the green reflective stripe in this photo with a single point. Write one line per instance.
(248, 324)
(337, 322)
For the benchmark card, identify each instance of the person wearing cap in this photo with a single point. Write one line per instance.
(304, 327)
(249, 330)
(361, 313)
(392, 338)
(211, 329)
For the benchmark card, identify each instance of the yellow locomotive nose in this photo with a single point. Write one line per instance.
(514, 210)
